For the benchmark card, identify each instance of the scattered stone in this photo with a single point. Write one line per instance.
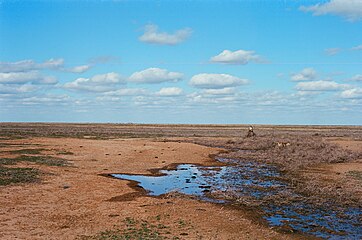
(201, 209)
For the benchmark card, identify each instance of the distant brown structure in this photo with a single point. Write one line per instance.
(251, 132)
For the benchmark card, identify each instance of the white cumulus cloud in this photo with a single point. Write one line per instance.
(79, 69)
(30, 65)
(221, 91)
(352, 93)
(349, 9)
(20, 66)
(98, 83)
(169, 92)
(215, 81)
(26, 77)
(154, 36)
(14, 88)
(155, 75)
(307, 74)
(203, 98)
(52, 64)
(236, 57)
(357, 77)
(49, 99)
(127, 92)
(321, 86)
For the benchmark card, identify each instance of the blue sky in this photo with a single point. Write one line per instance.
(272, 62)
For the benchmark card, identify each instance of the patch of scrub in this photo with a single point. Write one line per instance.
(17, 175)
(261, 183)
(46, 160)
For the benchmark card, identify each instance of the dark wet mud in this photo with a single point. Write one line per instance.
(260, 183)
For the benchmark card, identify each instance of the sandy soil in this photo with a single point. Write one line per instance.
(75, 201)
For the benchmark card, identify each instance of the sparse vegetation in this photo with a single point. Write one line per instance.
(355, 174)
(109, 131)
(64, 153)
(181, 223)
(18, 175)
(297, 153)
(294, 155)
(26, 151)
(15, 175)
(46, 160)
(135, 230)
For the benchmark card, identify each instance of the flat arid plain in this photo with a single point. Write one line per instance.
(59, 181)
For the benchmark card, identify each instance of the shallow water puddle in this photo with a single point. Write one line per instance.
(187, 179)
(258, 181)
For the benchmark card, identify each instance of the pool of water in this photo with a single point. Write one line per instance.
(187, 179)
(256, 181)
